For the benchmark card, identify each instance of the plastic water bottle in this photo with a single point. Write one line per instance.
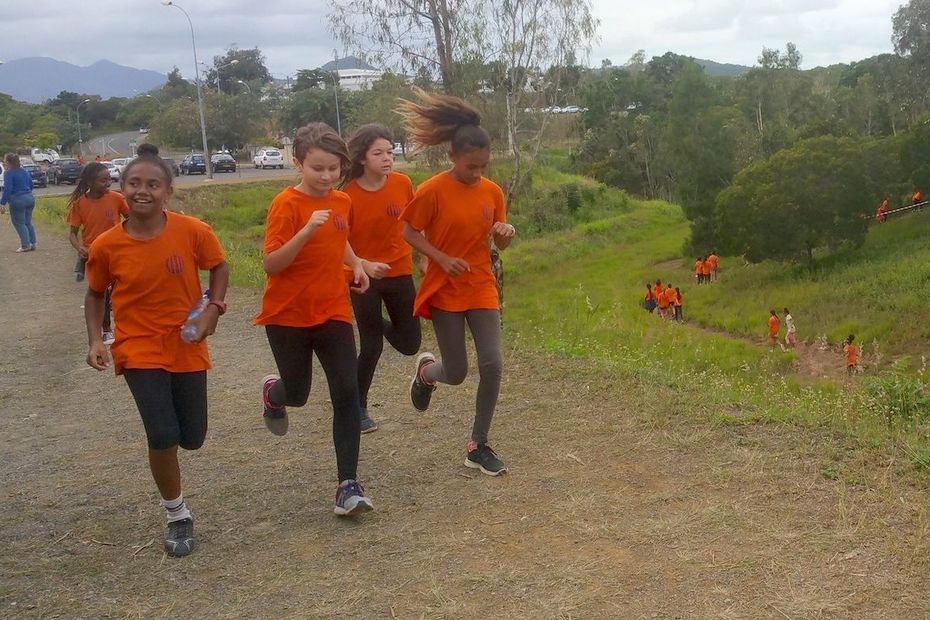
(189, 332)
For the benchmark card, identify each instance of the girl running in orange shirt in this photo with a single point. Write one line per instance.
(774, 326)
(92, 210)
(459, 211)
(305, 308)
(155, 257)
(679, 316)
(376, 233)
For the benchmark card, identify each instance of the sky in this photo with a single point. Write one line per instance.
(293, 34)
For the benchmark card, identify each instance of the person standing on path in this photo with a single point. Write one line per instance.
(458, 211)
(851, 353)
(679, 313)
(790, 337)
(713, 264)
(305, 306)
(376, 233)
(17, 193)
(160, 348)
(774, 326)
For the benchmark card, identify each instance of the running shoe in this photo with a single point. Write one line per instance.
(275, 416)
(420, 391)
(351, 500)
(480, 456)
(108, 338)
(367, 424)
(78, 276)
(180, 539)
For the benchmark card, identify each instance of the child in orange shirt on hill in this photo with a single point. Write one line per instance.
(851, 353)
(459, 211)
(155, 257)
(713, 264)
(664, 301)
(93, 209)
(305, 307)
(774, 326)
(679, 315)
(376, 234)
(699, 270)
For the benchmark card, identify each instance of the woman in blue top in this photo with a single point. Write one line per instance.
(17, 191)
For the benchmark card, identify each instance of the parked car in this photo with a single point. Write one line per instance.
(173, 165)
(193, 163)
(39, 178)
(64, 171)
(45, 155)
(1, 176)
(268, 158)
(223, 162)
(114, 170)
(121, 162)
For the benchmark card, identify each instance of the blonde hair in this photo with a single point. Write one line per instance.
(438, 119)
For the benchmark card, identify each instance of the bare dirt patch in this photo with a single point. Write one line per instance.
(615, 507)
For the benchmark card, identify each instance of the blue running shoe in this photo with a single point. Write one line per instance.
(351, 500)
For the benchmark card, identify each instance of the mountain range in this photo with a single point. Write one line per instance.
(35, 80)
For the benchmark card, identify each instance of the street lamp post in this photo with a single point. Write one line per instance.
(245, 84)
(203, 124)
(219, 87)
(336, 91)
(77, 112)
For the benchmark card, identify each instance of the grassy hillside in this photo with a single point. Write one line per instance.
(878, 292)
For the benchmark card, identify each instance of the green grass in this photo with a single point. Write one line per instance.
(877, 292)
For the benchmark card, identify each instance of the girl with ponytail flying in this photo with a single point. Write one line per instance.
(450, 220)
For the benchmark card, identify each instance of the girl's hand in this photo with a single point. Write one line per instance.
(360, 279)
(83, 251)
(504, 230)
(317, 219)
(376, 270)
(424, 264)
(453, 266)
(204, 323)
(98, 357)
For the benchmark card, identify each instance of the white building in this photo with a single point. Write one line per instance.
(354, 74)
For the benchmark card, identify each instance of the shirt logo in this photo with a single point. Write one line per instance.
(174, 265)
(393, 209)
(339, 223)
(110, 215)
(488, 212)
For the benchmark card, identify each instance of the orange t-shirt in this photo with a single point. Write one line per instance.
(677, 298)
(774, 325)
(376, 232)
(713, 261)
(699, 267)
(457, 220)
(670, 296)
(96, 215)
(312, 289)
(706, 268)
(852, 354)
(917, 196)
(155, 285)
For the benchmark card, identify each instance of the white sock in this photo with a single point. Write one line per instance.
(176, 509)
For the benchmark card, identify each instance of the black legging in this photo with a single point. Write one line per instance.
(334, 345)
(402, 331)
(173, 406)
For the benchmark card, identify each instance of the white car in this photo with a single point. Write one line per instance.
(45, 155)
(114, 170)
(120, 163)
(268, 158)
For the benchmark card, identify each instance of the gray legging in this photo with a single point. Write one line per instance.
(485, 327)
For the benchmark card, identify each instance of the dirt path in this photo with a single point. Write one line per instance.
(614, 507)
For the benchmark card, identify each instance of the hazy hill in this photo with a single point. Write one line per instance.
(37, 79)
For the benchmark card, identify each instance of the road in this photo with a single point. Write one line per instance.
(245, 174)
(112, 145)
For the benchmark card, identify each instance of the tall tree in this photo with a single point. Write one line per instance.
(247, 65)
(411, 35)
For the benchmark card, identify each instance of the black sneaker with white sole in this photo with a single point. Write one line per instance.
(420, 391)
(482, 457)
(365, 422)
(180, 539)
(275, 416)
